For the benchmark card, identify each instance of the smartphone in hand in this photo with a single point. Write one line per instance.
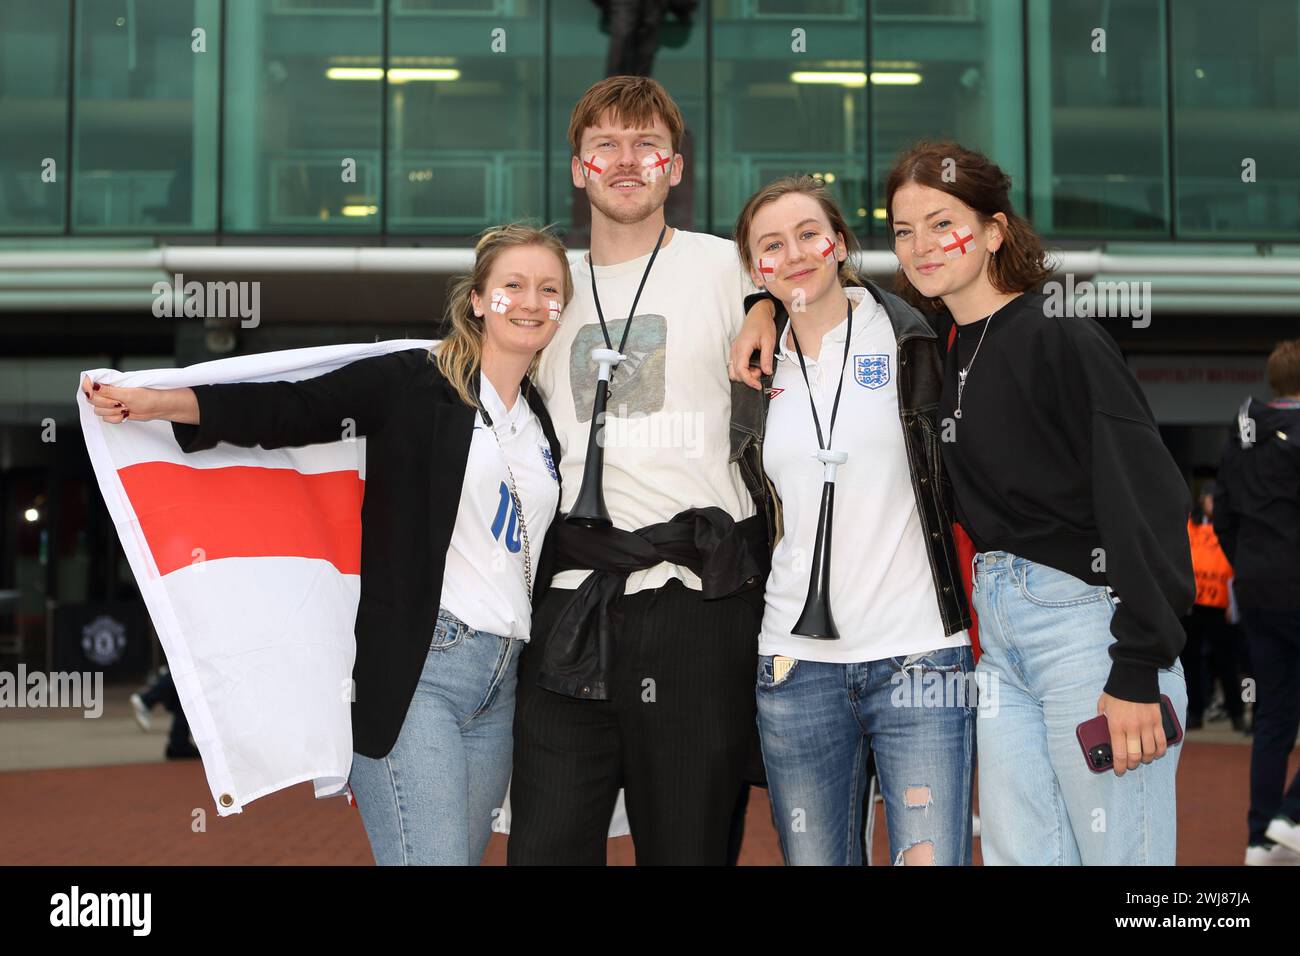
(1094, 736)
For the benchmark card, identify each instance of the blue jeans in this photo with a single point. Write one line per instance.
(1044, 638)
(818, 724)
(434, 798)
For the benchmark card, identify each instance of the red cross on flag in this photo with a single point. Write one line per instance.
(553, 310)
(828, 246)
(955, 245)
(591, 167)
(766, 267)
(500, 301)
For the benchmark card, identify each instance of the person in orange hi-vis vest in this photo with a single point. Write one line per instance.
(1211, 640)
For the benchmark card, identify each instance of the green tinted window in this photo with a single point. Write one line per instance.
(1236, 101)
(33, 115)
(1098, 110)
(948, 69)
(303, 107)
(145, 123)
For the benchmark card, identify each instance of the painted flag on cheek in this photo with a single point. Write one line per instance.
(827, 246)
(500, 301)
(956, 243)
(766, 268)
(553, 310)
(249, 561)
(652, 167)
(591, 167)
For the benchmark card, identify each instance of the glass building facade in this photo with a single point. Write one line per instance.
(1117, 119)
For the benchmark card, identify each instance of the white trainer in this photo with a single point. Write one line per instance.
(1283, 831)
(1275, 854)
(141, 712)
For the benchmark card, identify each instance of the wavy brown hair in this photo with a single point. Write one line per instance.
(809, 186)
(460, 354)
(1020, 264)
(634, 100)
(1284, 368)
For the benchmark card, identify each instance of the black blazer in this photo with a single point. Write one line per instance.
(418, 434)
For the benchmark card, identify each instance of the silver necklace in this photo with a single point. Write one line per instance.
(519, 511)
(514, 488)
(962, 373)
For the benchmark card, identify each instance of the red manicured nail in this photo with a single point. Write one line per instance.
(96, 386)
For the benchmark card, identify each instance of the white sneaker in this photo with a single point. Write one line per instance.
(1275, 854)
(141, 712)
(1283, 831)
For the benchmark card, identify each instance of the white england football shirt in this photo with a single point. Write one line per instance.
(881, 588)
(483, 583)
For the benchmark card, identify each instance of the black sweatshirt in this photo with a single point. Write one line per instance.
(1257, 507)
(1057, 459)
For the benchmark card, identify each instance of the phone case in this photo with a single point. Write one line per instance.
(1094, 736)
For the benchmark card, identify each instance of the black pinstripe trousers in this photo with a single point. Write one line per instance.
(678, 734)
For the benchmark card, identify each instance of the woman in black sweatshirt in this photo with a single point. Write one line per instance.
(1078, 514)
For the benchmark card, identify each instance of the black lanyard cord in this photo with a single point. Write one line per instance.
(595, 295)
(825, 445)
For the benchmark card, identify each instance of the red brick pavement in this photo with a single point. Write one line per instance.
(146, 814)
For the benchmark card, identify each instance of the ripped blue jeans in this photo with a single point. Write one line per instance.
(819, 722)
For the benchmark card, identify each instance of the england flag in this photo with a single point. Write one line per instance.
(248, 560)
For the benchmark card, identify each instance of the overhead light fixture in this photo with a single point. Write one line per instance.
(402, 74)
(855, 78)
(355, 73)
(832, 78)
(881, 78)
(395, 74)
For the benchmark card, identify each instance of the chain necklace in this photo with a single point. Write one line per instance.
(962, 373)
(514, 494)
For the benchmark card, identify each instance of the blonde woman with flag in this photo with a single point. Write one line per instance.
(461, 486)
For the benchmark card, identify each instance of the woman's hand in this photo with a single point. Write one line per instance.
(115, 404)
(758, 332)
(1137, 734)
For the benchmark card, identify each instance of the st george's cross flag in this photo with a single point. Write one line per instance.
(249, 562)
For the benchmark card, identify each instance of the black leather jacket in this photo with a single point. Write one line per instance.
(920, 379)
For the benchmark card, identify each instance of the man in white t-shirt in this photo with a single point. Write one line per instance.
(640, 673)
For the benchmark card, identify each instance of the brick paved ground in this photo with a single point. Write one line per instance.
(143, 813)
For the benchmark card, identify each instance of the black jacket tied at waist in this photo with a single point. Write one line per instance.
(727, 555)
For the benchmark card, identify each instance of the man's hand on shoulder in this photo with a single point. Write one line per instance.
(758, 332)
